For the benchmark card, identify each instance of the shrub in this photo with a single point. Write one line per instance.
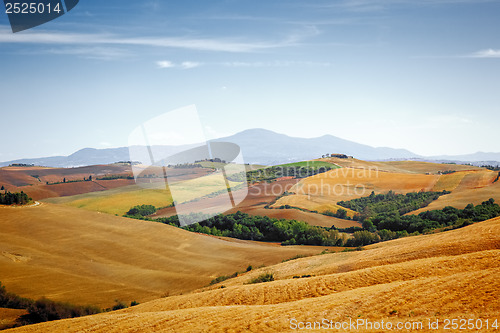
(119, 305)
(267, 277)
(223, 278)
(364, 237)
(13, 301)
(341, 213)
(47, 310)
(142, 210)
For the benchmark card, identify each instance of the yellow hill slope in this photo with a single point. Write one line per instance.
(358, 178)
(452, 275)
(83, 257)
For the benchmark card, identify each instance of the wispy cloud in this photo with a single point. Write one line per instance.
(184, 65)
(190, 64)
(199, 44)
(99, 53)
(238, 17)
(162, 64)
(489, 53)
(165, 64)
(482, 54)
(276, 64)
(377, 5)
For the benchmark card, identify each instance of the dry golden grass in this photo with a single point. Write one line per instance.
(452, 275)
(478, 179)
(400, 166)
(8, 317)
(426, 167)
(464, 195)
(84, 257)
(474, 187)
(450, 181)
(323, 191)
(358, 178)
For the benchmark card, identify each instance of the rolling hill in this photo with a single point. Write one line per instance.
(83, 257)
(357, 178)
(410, 281)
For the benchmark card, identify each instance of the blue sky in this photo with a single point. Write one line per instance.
(422, 75)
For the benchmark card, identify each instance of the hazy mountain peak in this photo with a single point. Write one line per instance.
(261, 146)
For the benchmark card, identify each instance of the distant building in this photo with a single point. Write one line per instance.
(340, 156)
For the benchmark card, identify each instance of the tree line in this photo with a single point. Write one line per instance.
(271, 173)
(44, 309)
(260, 228)
(433, 219)
(16, 198)
(373, 204)
(385, 224)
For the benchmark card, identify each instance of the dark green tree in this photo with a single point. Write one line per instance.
(341, 213)
(142, 210)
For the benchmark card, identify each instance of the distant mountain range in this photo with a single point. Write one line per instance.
(260, 146)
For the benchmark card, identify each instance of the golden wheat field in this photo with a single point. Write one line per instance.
(400, 166)
(83, 257)
(411, 281)
(358, 178)
(323, 191)
(468, 192)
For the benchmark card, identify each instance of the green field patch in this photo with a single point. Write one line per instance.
(295, 170)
